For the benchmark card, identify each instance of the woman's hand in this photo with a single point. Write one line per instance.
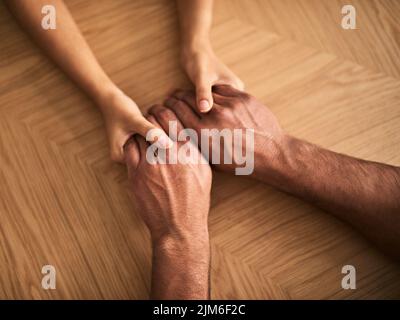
(205, 70)
(123, 119)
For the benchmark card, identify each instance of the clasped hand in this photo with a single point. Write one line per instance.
(174, 199)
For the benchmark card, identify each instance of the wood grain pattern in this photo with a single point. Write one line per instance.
(63, 202)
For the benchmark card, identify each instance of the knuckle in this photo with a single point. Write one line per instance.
(222, 111)
(236, 103)
(163, 112)
(229, 114)
(179, 94)
(188, 95)
(180, 104)
(153, 109)
(246, 97)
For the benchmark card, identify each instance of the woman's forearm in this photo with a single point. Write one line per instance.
(65, 45)
(198, 59)
(195, 19)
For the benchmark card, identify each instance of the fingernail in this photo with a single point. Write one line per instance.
(204, 105)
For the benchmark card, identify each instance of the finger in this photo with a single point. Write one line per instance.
(172, 151)
(223, 100)
(167, 120)
(153, 133)
(231, 80)
(153, 120)
(171, 92)
(142, 146)
(184, 112)
(204, 100)
(190, 98)
(226, 90)
(156, 123)
(131, 154)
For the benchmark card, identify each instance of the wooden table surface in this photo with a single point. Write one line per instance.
(64, 203)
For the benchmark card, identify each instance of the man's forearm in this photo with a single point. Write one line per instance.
(65, 45)
(195, 19)
(181, 268)
(364, 193)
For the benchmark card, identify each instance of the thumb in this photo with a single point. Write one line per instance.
(132, 155)
(239, 84)
(116, 142)
(204, 98)
(153, 133)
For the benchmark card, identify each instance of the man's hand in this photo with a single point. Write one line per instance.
(233, 109)
(173, 200)
(365, 194)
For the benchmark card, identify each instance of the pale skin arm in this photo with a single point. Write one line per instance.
(65, 45)
(69, 50)
(198, 58)
(195, 18)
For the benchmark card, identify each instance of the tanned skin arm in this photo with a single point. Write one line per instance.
(181, 269)
(174, 202)
(366, 194)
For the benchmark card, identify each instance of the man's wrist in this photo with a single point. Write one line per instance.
(180, 244)
(274, 162)
(181, 267)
